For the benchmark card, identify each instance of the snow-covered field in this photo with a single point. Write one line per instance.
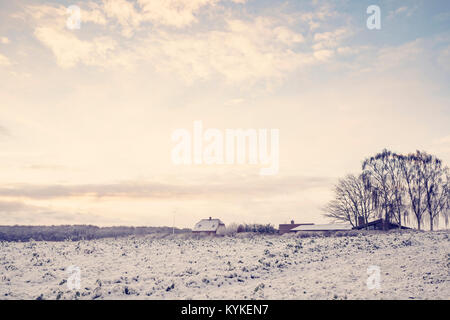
(413, 265)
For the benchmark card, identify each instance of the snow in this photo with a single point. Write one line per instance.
(413, 265)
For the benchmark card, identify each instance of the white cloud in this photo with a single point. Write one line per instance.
(177, 13)
(69, 50)
(444, 58)
(44, 14)
(443, 140)
(402, 11)
(4, 131)
(20, 75)
(4, 40)
(235, 101)
(244, 51)
(395, 56)
(130, 15)
(125, 14)
(316, 18)
(4, 61)
(330, 39)
(287, 36)
(441, 146)
(93, 13)
(251, 49)
(323, 55)
(346, 51)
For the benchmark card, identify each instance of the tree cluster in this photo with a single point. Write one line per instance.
(410, 189)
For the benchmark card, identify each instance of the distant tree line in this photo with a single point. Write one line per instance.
(234, 228)
(398, 188)
(259, 228)
(75, 232)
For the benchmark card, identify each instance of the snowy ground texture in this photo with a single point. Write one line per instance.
(413, 265)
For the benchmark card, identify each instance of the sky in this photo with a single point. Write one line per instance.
(87, 114)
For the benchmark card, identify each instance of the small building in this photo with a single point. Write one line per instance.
(209, 226)
(287, 227)
(379, 224)
(324, 227)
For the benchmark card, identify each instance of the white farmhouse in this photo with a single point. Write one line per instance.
(209, 226)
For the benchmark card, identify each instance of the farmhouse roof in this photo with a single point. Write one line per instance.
(208, 225)
(380, 223)
(323, 227)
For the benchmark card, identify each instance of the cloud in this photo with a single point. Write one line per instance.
(243, 51)
(443, 58)
(45, 167)
(16, 212)
(402, 11)
(247, 49)
(235, 101)
(441, 145)
(14, 206)
(443, 141)
(395, 56)
(316, 18)
(4, 61)
(4, 40)
(442, 16)
(323, 55)
(176, 13)
(330, 39)
(4, 131)
(131, 15)
(249, 186)
(384, 59)
(93, 13)
(346, 51)
(287, 36)
(69, 50)
(125, 14)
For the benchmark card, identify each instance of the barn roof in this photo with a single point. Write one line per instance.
(390, 225)
(208, 225)
(323, 227)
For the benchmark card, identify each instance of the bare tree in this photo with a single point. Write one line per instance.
(411, 168)
(397, 187)
(435, 177)
(446, 211)
(352, 201)
(364, 196)
(377, 170)
(393, 186)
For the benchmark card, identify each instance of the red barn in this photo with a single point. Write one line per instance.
(285, 228)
